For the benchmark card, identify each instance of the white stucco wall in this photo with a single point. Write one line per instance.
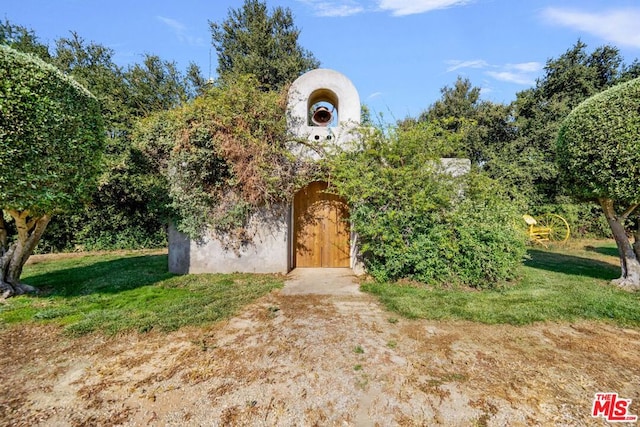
(266, 253)
(455, 166)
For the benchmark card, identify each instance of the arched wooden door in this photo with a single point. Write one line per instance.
(321, 228)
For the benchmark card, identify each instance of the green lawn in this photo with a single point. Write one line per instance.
(564, 284)
(120, 292)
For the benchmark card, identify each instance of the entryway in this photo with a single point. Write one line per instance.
(321, 228)
(321, 281)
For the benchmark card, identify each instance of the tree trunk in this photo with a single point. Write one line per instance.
(636, 238)
(14, 256)
(629, 261)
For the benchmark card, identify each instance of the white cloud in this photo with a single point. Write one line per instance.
(486, 90)
(181, 31)
(411, 7)
(522, 73)
(374, 95)
(338, 8)
(172, 23)
(526, 67)
(512, 77)
(455, 64)
(619, 26)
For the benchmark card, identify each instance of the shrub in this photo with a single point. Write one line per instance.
(414, 220)
(224, 155)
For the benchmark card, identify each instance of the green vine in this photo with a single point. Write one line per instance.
(225, 156)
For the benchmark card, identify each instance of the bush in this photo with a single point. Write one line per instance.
(476, 243)
(224, 155)
(418, 222)
(137, 221)
(489, 246)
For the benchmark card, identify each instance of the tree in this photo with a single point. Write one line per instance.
(460, 101)
(599, 153)
(22, 39)
(127, 208)
(157, 85)
(51, 137)
(117, 214)
(251, 41)
(568, 80)
(91, 65)
(487, 126)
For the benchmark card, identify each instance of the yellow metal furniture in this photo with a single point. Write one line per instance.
(548, 228)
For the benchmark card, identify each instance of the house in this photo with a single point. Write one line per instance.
(314, 230)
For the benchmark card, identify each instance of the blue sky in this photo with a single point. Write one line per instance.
(398, 53)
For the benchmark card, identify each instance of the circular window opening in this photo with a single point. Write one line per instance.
(323, 108)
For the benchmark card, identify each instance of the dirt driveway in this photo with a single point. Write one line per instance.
(303, 360)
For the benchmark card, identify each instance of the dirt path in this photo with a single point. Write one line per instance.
(319, 360)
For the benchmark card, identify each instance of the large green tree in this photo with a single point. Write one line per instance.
(252, 41)
(487, 126)
(22, 39)
(599, 154)
(567, 80)
(51, 138)
(124, 210)
(127, 207)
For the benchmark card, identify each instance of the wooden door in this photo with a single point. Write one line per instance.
(321, 228)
